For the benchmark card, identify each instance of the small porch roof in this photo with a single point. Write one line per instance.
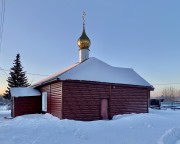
(24, 92)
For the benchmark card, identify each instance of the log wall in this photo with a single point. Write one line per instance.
(81, 101)
(26, 105)
(54, 98)
(124, 100)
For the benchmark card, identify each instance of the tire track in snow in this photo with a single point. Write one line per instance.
(171, 136)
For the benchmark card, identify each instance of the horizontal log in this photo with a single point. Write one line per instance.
(56, 92)
(127, 102)
(128, 109)
(56, 98)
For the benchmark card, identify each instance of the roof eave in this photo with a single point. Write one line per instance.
(46, 83)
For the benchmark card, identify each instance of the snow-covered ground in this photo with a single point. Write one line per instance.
(156, 127)
(3, 107)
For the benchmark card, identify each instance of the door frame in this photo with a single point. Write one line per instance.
(107, 100)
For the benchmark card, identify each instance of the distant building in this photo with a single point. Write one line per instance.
(92, 90)
(156, 103)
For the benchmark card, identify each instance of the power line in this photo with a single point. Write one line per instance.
(1, 69)
(168, 84)
(4, 72)
(26, 73)
(2, 75)
(2, 23)
(37, 74)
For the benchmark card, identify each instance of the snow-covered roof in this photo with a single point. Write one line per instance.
(24, 92)
(96, 70)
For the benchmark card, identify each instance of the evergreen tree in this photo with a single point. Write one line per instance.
(17, 77)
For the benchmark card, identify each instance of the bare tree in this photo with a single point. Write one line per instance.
(169, 93)
(178, 95)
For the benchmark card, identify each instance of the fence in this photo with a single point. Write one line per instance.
(172, 105)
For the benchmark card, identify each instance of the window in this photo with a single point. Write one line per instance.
(44, 101)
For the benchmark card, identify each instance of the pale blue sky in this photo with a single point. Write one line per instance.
(143, 35)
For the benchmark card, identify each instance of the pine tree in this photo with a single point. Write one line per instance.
(17, 77)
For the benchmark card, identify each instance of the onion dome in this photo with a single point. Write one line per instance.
(84, 42)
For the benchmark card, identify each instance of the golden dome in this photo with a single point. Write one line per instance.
(84, 42)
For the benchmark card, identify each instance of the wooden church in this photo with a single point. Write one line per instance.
(88, 90)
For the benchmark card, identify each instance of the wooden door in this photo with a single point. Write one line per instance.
(104, 109)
